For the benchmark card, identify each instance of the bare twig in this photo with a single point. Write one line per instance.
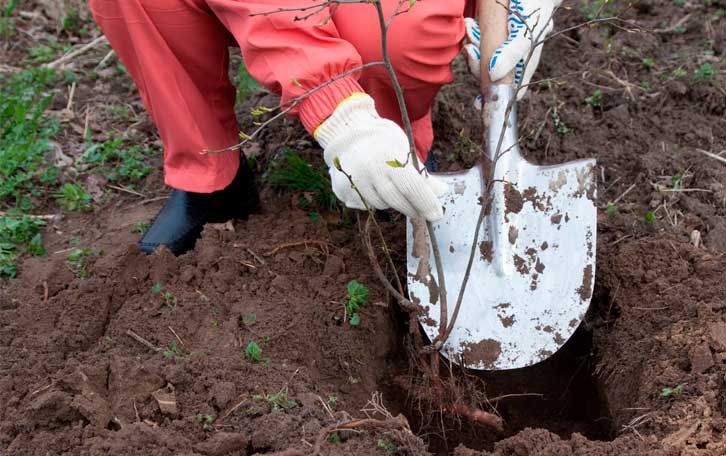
(712, 155)
(177, 336)
(75, 53)
(323, 245)
(142, 341)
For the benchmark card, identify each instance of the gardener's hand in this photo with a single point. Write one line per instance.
(530, 21)
(371, 150)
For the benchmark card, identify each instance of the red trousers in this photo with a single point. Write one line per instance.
(177, 53)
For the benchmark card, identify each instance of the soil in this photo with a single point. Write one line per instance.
(645, 374)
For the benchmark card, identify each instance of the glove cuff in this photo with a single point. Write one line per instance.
(354, 112)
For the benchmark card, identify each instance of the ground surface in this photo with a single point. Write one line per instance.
(645, 373)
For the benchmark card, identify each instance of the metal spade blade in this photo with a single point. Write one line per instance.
(533, 272)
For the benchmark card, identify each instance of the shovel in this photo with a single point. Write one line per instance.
(533, 270)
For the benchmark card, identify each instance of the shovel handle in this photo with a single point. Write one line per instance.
(493, 16)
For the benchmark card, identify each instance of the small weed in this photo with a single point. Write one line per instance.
(332, 400)
(279, 402)
(248, 320)
(253, 352)
(140, 227)
(72, 23)
(649, 63)
(335, 438)
(676, 181)
(595, 100)
(19, 234)
(679, 73)
(649, 217)
(205, 421)
(77, 260)
(560, 126)
(169, 299)
(611, 210)
(73, 197)
(645, 85)
(386, 445)
(679, 2)
(121, 112)
(294, 173)
(173, 350)
(704, 73)
(357, 297)
(675, 391)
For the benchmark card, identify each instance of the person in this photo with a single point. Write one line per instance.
(176, 51)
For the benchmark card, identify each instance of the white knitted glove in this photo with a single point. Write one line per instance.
(367, 148)
(537, 24)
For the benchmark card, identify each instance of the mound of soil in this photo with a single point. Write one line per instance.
(148, 355)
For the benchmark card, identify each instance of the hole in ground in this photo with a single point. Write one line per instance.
(572, 401)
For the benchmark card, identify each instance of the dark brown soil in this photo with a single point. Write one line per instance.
(645, 374)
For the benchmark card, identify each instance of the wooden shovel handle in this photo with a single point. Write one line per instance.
(493, 15)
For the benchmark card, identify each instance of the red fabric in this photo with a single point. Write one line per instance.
(176, 52)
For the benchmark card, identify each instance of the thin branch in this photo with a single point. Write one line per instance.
(414, 158)
(317, 7)
(72, 54)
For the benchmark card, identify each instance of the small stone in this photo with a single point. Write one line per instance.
(701, 359)
(718, 334)
(166, 399)
(333, 266)
(222, 393)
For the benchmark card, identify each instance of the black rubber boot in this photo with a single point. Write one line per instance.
(180, 222)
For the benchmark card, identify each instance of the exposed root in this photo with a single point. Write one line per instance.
(398, 423)
(322, 245)
(476, 415)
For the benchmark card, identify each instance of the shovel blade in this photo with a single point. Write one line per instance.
(534, 266)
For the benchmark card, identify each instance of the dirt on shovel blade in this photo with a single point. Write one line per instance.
(243, 346)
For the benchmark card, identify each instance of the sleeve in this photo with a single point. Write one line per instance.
(290, 53)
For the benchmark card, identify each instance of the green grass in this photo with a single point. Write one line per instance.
(246, 83)
(7, 23)
(116, 161)
(595, 100)
(25, 133)
(73, 197)
(253, 352)
(18, 234)
(704, 73)
(293, 172)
